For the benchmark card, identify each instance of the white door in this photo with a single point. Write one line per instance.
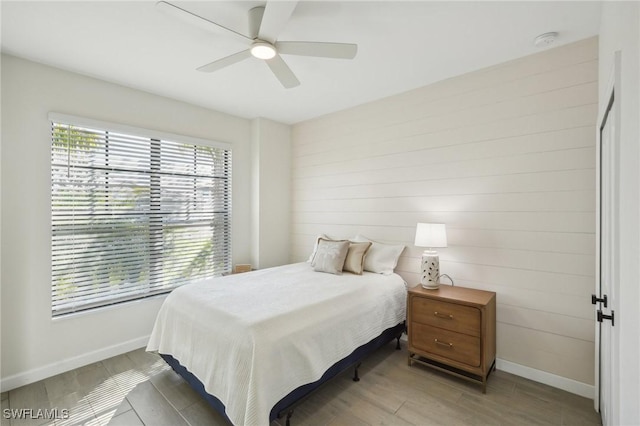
(606, 287)
(606, 266)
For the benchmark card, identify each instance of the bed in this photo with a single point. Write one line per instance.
(253, 344)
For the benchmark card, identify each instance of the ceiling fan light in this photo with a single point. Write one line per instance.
(262, 50)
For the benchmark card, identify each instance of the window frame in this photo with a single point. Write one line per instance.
(153, 136)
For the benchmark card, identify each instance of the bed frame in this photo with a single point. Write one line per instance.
(286, 405)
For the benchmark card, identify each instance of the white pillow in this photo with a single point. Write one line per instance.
(381, 258)
(315, 246)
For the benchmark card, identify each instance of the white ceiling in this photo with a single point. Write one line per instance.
(401, 46)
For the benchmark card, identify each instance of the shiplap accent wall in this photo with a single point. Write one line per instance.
(505, 157)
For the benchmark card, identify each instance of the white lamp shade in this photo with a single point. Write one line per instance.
(431, 235)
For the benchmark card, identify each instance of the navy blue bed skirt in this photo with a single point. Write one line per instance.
(304, 390)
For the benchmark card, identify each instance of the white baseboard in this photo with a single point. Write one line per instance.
(68, 364)
(569, 385)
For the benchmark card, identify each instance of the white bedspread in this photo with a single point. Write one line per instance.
(252, 338)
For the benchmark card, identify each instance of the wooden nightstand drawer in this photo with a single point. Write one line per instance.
(447, 344)
(450, 316)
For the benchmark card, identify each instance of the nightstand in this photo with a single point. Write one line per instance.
(453, 329)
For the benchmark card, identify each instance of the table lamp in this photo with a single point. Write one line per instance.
(430, 235)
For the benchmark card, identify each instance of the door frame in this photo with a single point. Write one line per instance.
(612, 94)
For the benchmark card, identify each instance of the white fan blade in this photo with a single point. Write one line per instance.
(282, 71)
(276, 15)
(197, 20)
(225, 62)
(323, 50)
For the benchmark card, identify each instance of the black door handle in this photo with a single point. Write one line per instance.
(595, 300)
(602, 317)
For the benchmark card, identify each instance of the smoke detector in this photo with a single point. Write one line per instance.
(544, 40)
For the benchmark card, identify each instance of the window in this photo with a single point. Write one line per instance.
(134, 216)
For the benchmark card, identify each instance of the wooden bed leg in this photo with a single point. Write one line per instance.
(289, 414)
(398, 343)
(355, 372)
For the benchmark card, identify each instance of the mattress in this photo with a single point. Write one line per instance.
(253, 338)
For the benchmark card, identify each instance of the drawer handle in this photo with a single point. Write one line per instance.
(448, 345)
(441, 315)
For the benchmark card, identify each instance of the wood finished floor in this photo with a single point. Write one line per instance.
(138, 388)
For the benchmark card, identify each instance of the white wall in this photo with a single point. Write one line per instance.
(271, 188)
(505, 157)
(620, 31)
(33, 345)
(0, 217)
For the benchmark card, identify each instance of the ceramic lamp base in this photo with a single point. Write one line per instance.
(430, 270)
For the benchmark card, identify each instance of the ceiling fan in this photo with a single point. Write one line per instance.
(265, 24)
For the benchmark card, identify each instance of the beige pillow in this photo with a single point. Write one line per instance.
(355, 257)
(330, 256)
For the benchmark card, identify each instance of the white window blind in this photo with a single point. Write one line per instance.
(134, 216)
